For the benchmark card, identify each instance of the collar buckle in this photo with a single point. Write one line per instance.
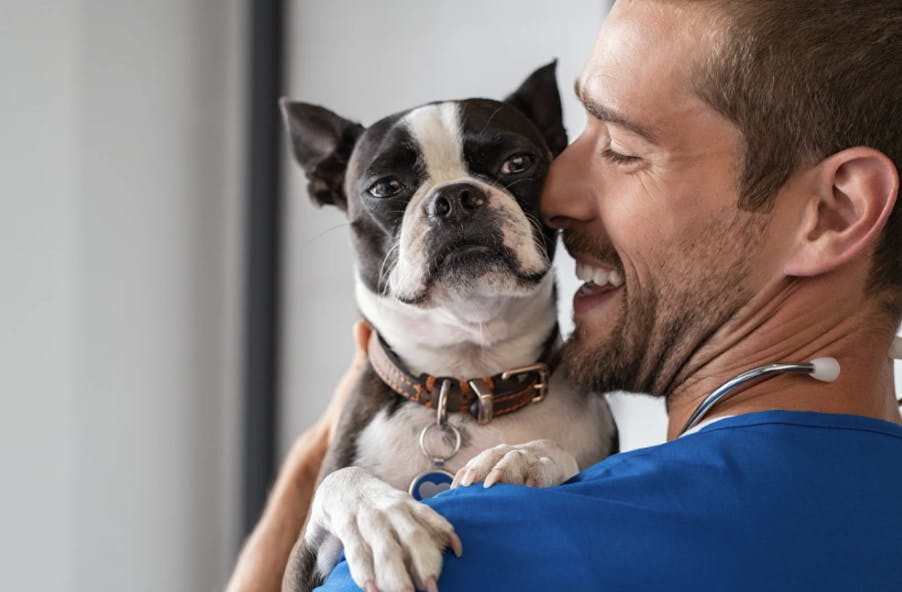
(541, 385)
(485, 400)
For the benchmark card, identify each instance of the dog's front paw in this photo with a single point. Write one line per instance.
(540, 463)
(391, 542)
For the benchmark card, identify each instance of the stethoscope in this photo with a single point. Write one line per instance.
(822, 369)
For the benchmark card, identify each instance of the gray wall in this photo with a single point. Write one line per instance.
(120, 232)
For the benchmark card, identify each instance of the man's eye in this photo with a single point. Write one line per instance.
(518, 163)
(618, 158)
(386, 187)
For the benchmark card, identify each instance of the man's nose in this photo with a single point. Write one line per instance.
(566, 199)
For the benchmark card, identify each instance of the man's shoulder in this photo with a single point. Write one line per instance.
(646, 518)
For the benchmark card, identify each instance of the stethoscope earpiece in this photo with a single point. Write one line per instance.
(824, 369)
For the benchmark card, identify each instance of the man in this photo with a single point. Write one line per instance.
(740, 169)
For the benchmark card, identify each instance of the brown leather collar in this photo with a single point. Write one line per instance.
(484, 397)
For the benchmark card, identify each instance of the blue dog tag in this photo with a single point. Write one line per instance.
(429, 484)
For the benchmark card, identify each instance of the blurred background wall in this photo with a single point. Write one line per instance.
(119, 329)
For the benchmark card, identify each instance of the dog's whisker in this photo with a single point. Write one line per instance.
(537, 236)
(491, 117)
(521, 180)
(325, 232)
(387, 267)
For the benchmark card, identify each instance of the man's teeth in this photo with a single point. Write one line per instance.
(599, 277)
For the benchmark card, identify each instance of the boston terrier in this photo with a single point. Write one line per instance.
(453, 272)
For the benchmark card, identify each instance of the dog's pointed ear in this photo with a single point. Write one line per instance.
(539, 99)
(322, 143)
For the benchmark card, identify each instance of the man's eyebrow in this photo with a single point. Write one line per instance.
(610, 116)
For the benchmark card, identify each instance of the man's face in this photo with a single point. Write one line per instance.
(650, 191)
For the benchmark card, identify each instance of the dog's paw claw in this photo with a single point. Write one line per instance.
(455, 544)
(540, 463)
(431, 585)
(494, 476)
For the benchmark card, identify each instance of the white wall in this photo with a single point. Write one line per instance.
(38, 174)
(365, 60)
(120, 232)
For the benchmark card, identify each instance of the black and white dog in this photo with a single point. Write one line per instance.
(453, 270)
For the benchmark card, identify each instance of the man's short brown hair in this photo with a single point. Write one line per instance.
(805, 79)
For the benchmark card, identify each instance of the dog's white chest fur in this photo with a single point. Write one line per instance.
(582, 425)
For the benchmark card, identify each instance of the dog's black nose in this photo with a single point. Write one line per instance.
(454, 203)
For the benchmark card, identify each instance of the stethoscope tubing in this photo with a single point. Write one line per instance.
(732, 387)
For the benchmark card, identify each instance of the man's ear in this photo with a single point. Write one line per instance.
(854, 194)
(538, 98)
(322, 143)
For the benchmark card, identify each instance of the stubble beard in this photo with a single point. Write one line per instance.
(661, 327)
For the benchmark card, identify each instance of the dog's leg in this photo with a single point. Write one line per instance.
(391, 542)
(540, 463)
(301, 574)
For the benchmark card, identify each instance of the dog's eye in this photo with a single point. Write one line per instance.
(518, 163)
(386, 187)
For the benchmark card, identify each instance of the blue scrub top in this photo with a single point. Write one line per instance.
(763, 501)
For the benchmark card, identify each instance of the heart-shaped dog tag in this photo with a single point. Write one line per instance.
(428, 484)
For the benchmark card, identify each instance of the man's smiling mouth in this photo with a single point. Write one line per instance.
(597, 277)
(600, 282)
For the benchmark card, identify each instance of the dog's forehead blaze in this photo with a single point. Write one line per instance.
(436, 129)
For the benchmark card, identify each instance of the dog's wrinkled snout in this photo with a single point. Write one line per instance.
(455, 203)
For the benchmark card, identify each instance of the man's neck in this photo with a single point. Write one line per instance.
(791, 326)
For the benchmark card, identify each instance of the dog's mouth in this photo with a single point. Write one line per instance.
(465, 266)
(469, 260)
(467, 255)
(462, 264)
